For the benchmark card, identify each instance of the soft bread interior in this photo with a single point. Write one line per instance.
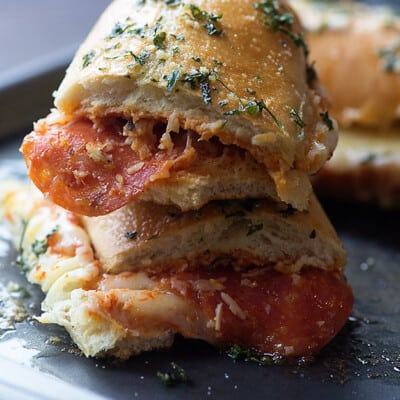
(145, 236)
(233, 175)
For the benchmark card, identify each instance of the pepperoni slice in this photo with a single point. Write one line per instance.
(287, 314)
(88, 171)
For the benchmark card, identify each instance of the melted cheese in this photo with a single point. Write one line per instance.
(361, 147)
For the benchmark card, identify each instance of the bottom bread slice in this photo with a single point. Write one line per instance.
(122, 314)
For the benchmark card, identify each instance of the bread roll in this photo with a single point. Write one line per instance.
(231, 72)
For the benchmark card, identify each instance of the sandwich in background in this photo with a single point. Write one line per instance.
(356, 49)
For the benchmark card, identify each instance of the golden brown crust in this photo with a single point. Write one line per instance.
(124, 70)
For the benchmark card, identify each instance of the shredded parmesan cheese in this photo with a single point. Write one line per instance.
(80, 174)
(218, 317)
(120, 179)
(233, 306)
(173, 123)
(135, 168)
(96, 153)
(166, 142)
(208, 285)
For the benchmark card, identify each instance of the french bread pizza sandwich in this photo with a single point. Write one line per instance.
(172, 185)
(356, 49)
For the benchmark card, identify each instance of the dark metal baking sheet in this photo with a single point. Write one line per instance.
(363, 362)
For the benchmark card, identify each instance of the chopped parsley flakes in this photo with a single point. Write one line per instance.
(88, 58)
(130, 235)
(294, 115)
(238, 353)
(172, 79)
(159, 40)
(40, 247)
(280, 20)
(199, 79)
(210, 21)
(174, 377)
(139, 59)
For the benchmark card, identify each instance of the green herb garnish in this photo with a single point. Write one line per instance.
(159, 40)
(119, 29)
(177, 37)
(130, 235)
(294, 115)
(174, 377)
(175, 50)
(238, 353)
(201, 80)
(210, 20)
(139, 59)
(172, 79)
(281, 20)
(88, 58)
(172, 3)
(255, 107)
(40, 247)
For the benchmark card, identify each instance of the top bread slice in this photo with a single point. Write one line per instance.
(232, 70)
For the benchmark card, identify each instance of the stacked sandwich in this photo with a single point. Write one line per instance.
(357, 50)
(175, 172)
